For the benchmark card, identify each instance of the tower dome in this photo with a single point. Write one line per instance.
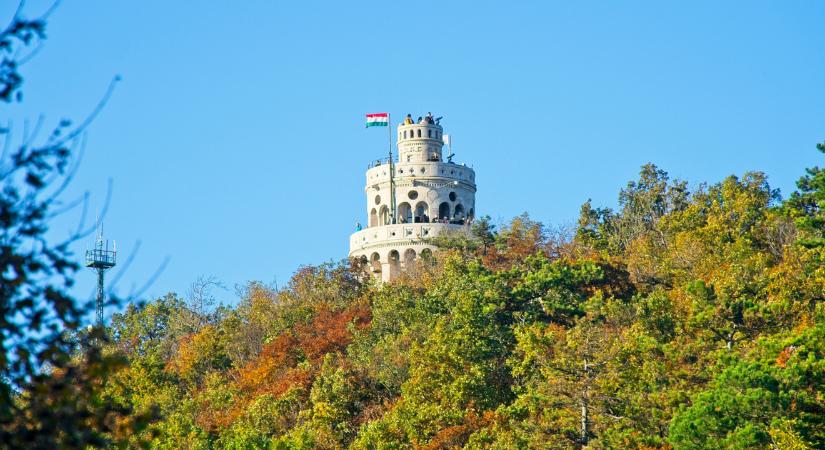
(431, 197)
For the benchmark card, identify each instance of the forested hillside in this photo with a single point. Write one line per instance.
(687, 318)
(690, 317)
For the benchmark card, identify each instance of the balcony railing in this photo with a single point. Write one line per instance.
(100, 258)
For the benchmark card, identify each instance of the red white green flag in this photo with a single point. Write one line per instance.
(378, 120)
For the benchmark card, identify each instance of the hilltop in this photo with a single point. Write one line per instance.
(687, 318)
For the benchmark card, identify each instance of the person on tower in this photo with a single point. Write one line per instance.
(408, 120)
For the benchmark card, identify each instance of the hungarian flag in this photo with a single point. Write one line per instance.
(378, 120)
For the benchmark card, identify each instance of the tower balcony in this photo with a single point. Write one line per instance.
(100, 258)
(398, 235)
(379, 172)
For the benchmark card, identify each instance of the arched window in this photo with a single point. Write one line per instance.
(471, 213)
(404, 213)
(384, 215)
(374, 218)
(459, 211)
(375, 262)
(409, 257)
(427, 255)
(419, 132)
(405, 134)
(444, 211)
(395, 262)
(430, 134)
(422, 212)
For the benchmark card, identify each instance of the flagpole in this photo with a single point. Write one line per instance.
(392, 177)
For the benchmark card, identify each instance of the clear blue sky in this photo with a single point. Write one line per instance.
(236, 140)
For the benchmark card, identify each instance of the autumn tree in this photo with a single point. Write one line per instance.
(51, 371)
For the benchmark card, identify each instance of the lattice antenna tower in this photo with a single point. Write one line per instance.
(101, 258)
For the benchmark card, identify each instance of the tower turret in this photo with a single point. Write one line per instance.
(420, 141)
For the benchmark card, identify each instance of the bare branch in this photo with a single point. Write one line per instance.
(79, 149)
(6, 145)
(91, 117)
(150, 281)
(91, 229)
(123, 267)
(16, 17)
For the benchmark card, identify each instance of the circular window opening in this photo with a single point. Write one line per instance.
(452, 196)
(377, 199)
(413, 195)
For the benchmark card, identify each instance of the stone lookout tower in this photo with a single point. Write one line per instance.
(431, 196)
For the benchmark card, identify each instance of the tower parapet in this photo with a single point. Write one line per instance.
(432, 196)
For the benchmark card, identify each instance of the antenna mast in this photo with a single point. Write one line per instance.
(101, 259)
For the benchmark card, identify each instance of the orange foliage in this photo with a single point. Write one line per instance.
(329, 331)
(277, 368)
(192, 348)
(275, 356)
(456, 436)
(521, 239)
(784, 356)
(185, 356)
